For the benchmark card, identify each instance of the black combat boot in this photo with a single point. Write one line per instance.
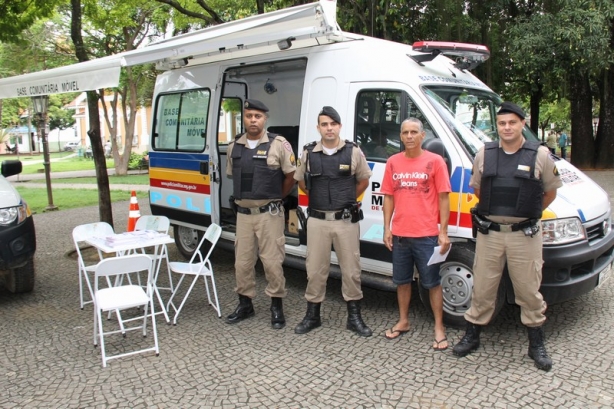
(278, 321)
(311, 320)
(244, 310)
(355, 322)
(470, 341)
(537, 349)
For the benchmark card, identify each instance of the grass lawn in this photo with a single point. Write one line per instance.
(65, 165)
(113, 180)
(25, 158)
(67, 199)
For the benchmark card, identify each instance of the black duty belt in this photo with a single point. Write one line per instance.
(274, 206)
(506, 228)
(337, 215)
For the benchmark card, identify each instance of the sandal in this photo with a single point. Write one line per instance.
(399, 333)
(440, 348)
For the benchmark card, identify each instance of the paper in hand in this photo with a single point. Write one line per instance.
(438, 258)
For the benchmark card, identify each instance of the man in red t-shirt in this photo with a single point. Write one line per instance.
(416, 186)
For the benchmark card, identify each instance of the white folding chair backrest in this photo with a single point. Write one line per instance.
(79, 235)
(123, 296)
(158, 223)
(212, 235)
(117, 266)
(198, 266)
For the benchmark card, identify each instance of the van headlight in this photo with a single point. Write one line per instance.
(560, 231)
(8, 215)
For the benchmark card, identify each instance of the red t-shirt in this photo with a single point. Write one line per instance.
(415, 184)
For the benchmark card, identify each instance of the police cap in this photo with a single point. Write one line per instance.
(255, 104)
(330, 112)
(511, 108)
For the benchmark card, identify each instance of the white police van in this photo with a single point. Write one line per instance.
(297, 60)
(17, 235)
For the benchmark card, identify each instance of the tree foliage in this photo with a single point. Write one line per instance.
(19, 15)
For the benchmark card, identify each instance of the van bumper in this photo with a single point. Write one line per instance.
(17, 244)
(572, 270)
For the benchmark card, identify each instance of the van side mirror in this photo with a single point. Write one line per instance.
(435, 145)
(11, 167)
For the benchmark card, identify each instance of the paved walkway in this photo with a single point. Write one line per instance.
(47, 359)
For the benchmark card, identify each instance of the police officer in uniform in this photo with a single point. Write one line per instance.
(334, 173)
(262, 167)
(515, 181)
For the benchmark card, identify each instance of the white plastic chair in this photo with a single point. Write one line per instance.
(121, 297)
(198, 266)
(160, 224)
(79, 235)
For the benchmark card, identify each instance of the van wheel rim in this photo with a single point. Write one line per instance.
(188, 238)
(456, 285)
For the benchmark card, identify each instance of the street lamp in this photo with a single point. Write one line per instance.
(40, 103)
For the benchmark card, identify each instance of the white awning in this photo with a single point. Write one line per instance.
(85, 76)
(307, 25)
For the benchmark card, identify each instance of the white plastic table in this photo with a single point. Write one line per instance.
(126, 243)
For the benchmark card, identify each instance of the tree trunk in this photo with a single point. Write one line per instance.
(583, 143)
(104, 193)
(604, 142)
(536, 98)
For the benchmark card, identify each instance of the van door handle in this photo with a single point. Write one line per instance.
(204, 168)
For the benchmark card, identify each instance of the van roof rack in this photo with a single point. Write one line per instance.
(468, 56)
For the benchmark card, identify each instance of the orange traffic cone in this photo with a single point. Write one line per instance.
(134, 213)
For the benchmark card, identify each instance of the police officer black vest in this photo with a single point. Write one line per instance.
(251, 176)
(333, 187)
(509, 186)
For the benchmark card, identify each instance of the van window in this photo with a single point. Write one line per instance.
(180, 121)
(230, 120)
(379, 114)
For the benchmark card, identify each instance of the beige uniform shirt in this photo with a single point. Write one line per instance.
(545, 169)
(280, 155)
(359, 166)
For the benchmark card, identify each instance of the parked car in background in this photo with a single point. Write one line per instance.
(71, 146)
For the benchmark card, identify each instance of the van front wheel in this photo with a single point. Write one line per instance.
(457, 285)
(186, 240)
(20, 279)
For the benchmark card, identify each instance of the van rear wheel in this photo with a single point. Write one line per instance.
(186, 240)
(457, 286)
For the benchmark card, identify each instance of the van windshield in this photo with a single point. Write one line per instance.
(470, 114)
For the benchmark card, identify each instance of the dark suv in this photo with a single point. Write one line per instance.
(17, 235)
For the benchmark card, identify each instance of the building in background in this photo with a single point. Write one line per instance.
(140, 142)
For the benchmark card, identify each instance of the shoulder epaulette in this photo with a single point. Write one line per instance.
(310, 145)
(531, 145)
(352, 142)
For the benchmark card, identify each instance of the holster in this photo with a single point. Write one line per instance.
(233, 205)
(478, 224)
(356, 212)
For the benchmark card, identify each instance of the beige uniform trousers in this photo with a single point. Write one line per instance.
(260, 235)
(345, 238)
(524, 263)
